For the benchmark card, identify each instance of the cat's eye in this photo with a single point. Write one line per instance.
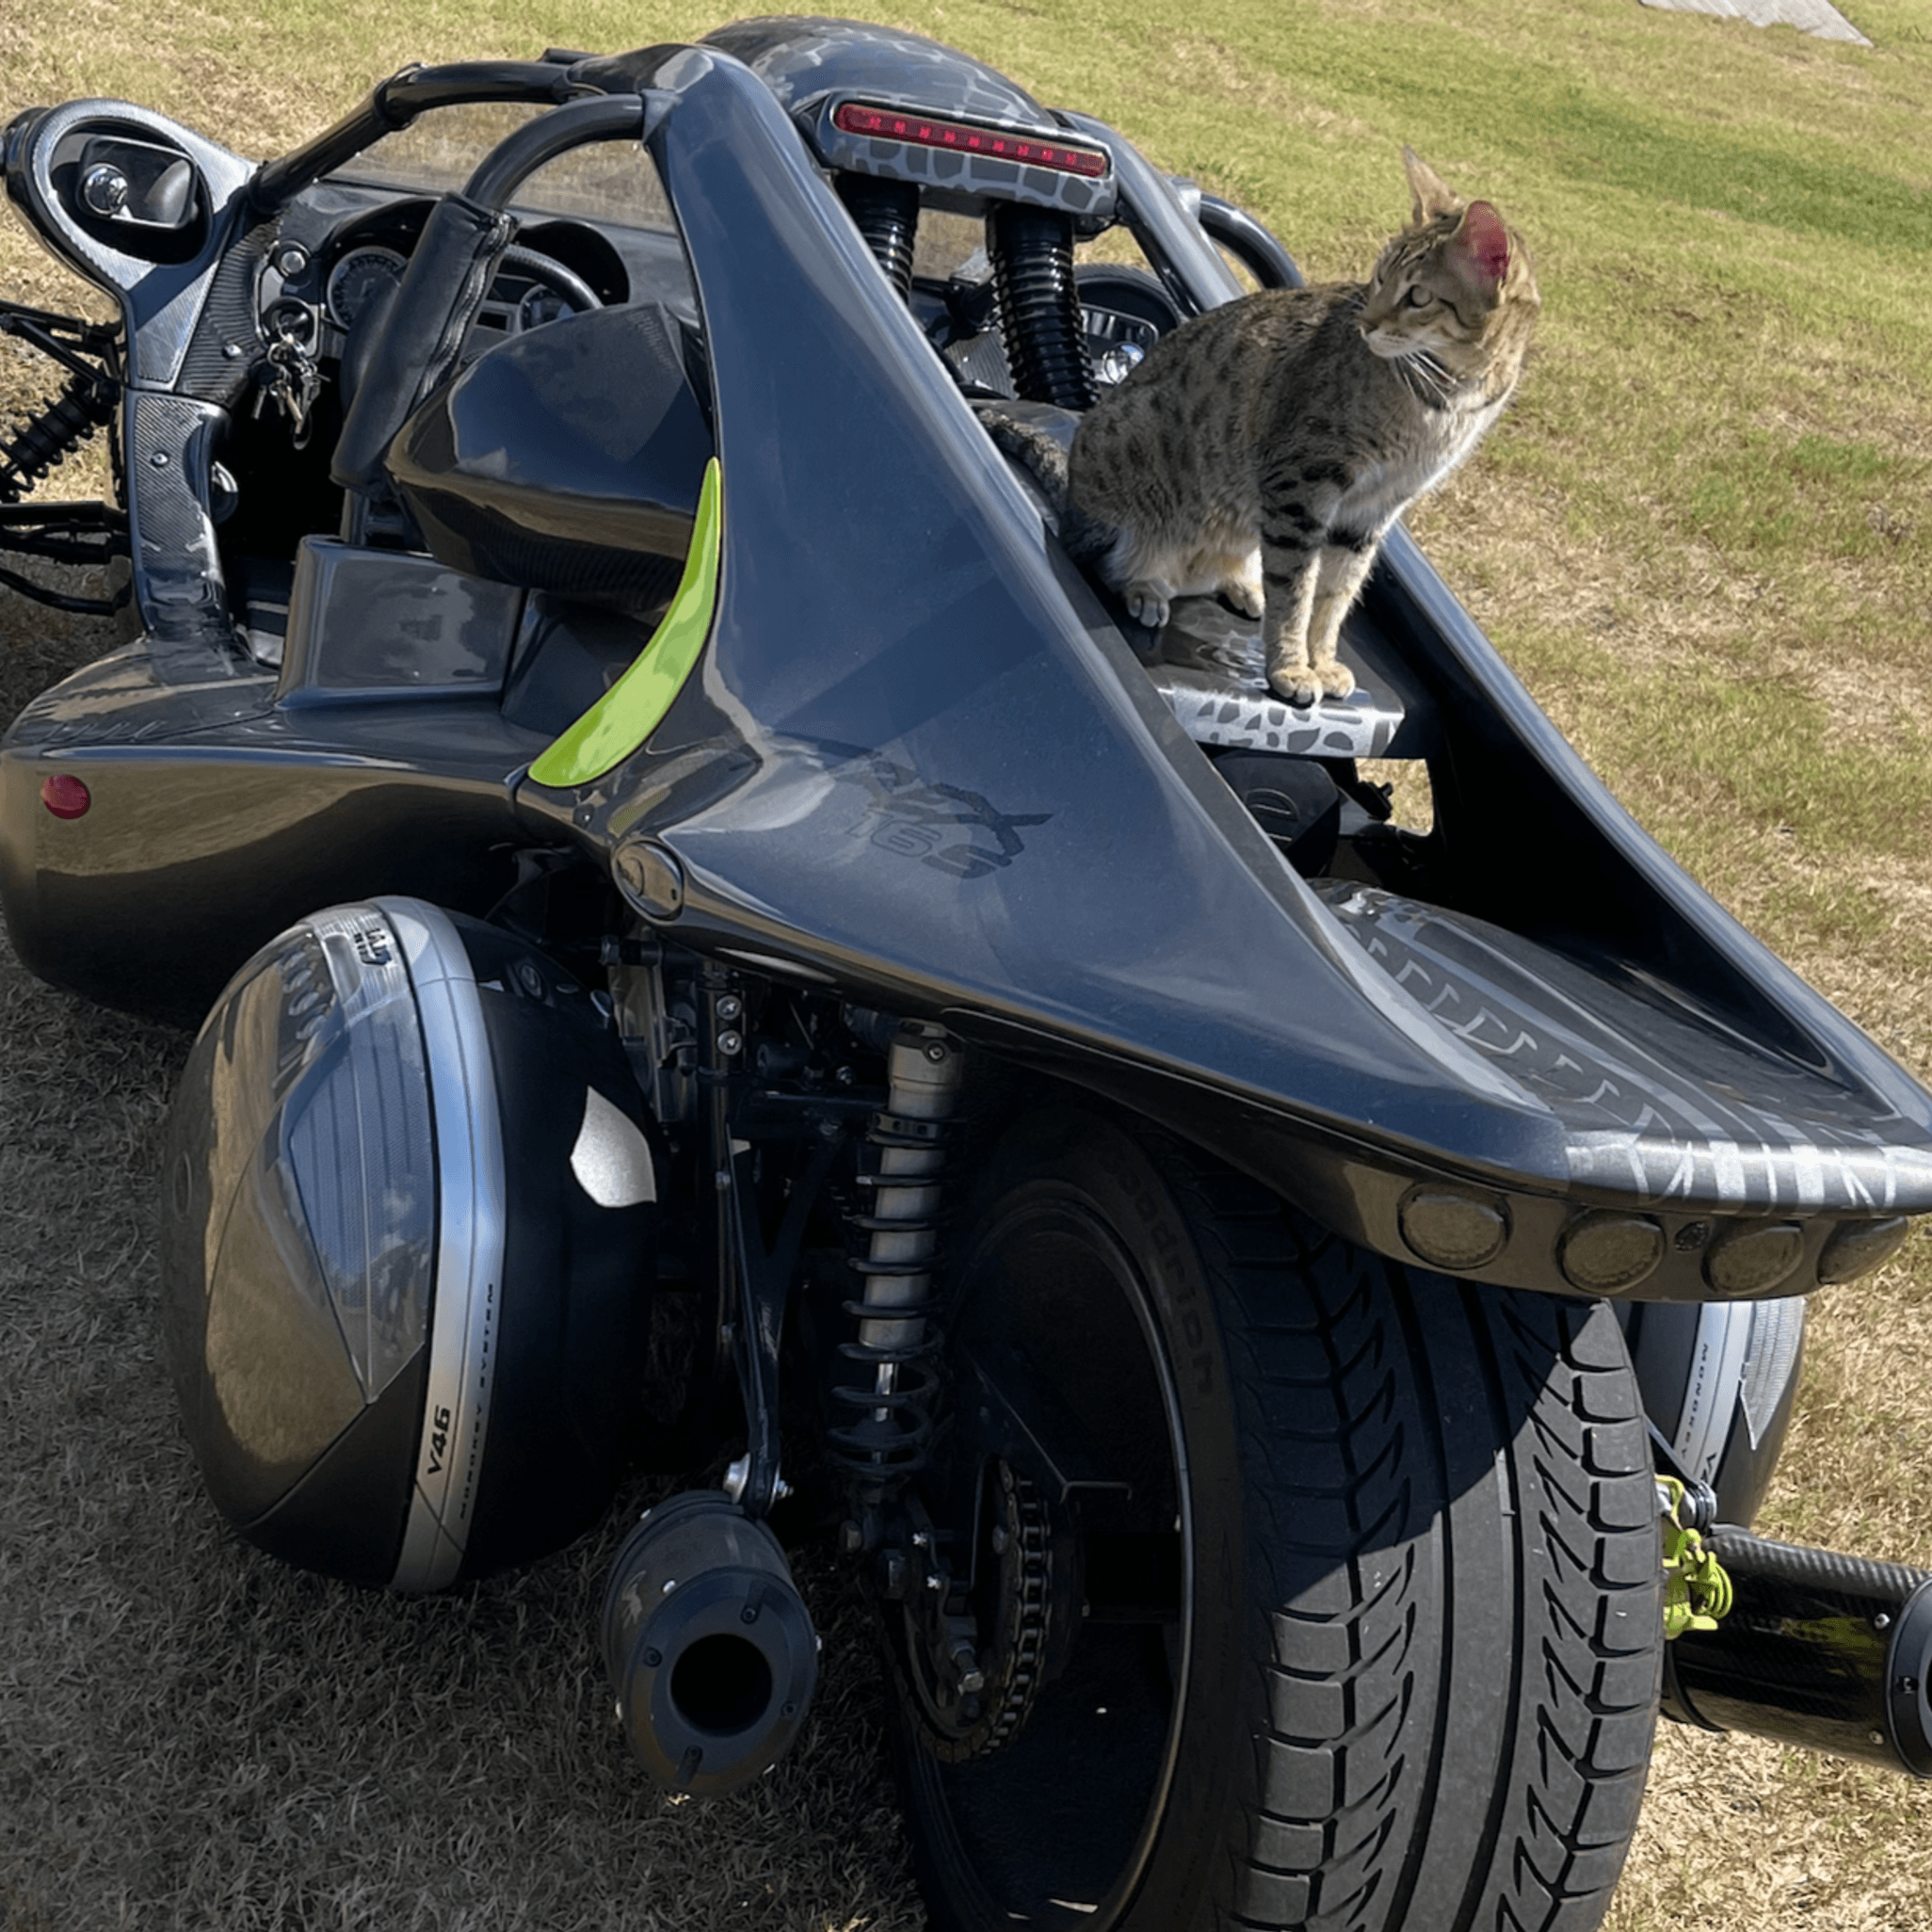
(1420, 299)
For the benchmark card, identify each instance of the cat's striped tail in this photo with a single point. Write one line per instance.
(1038, 438)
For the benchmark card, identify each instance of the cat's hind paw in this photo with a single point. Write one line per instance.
(1238, 575)
(1147, 602)
(1247, 598)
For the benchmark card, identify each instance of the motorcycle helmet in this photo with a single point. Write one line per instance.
(408, 1240)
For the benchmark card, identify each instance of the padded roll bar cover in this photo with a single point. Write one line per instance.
(441, 290)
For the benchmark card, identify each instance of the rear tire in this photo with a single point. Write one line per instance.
(1719, 1379)
(1406, 1674)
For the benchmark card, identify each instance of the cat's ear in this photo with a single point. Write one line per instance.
(1479, 251)
(1433, 196)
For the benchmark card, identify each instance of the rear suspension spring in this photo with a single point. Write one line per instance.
(53, 433)
(1032, 251)
(887, 213)
(891, 1403)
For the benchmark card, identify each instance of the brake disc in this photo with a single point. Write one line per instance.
(975, 1667)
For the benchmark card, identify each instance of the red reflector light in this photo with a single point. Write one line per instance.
(997, 144)
(65, 796)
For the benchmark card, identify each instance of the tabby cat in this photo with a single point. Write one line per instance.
(1262, 449)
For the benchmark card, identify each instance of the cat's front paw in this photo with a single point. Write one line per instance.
(1302, 685)
(1336, 679)
(1295, 684)
(1147, 602)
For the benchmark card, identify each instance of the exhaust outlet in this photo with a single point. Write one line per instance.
(1827, 1652)
(709, 1646)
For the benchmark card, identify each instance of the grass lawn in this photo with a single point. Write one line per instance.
(1703, 535)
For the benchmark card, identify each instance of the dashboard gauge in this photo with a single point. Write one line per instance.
(542, 305)
(361, 276)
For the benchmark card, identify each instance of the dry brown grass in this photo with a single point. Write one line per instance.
(190, 1735)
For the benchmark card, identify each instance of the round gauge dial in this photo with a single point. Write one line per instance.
(542, 305)
(357, 279)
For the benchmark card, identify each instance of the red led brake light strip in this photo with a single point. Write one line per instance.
(963, 137)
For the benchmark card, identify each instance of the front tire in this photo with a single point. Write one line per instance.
(1365, 1628)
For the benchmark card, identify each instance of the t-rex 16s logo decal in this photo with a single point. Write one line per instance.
(945, 827)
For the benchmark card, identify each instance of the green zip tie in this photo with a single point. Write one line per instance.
(1697, 1591)
(634, 706)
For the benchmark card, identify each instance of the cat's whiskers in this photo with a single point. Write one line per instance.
(1428, 380)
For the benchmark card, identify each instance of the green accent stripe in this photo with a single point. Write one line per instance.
(633, 707)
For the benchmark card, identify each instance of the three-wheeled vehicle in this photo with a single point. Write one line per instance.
(1269, 1236)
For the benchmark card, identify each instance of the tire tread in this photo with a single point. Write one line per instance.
(1333, 1408)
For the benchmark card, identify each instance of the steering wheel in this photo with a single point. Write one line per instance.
(510, 310)
(548, 290)
(466, 239)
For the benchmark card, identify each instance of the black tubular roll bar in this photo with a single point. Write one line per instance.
(596, 117)
(1249, 243)
(394, 103)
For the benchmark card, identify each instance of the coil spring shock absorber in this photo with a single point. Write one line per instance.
(1032, 253)
(52, 434)
(887, 213)
(892, 1427)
